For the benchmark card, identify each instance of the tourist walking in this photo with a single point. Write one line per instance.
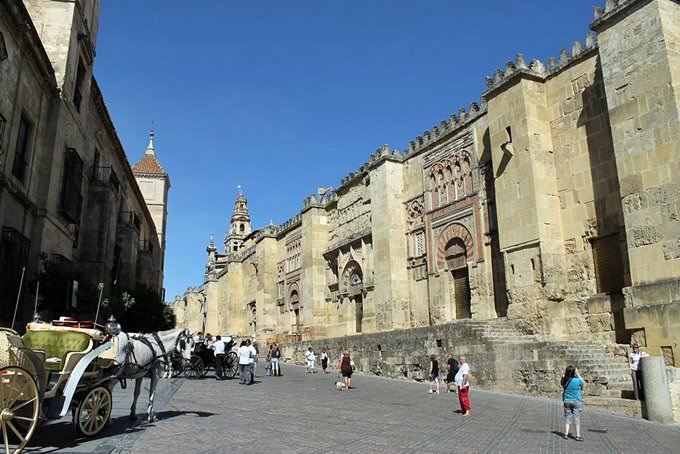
(244, 363)
(451, 371)
(253, 360)
(572, 384)
(346, 366)
(219, 347)
(310, 357)
(433, 376)
(635, 372)
(268, 362)
(463, 385)
(276, 360)
(324, 360)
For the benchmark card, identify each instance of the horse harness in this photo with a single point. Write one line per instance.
(130, 355)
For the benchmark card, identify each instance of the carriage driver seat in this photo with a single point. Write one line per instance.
(66, 346)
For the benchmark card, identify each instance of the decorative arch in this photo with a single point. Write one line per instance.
(454, 236)
(294, 295)
(352, 282)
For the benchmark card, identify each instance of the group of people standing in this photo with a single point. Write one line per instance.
(247, 362)
(248, 354)
(345, 365)
(457, 372)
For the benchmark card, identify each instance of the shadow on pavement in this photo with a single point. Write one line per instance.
(163, 415)
(62, 435)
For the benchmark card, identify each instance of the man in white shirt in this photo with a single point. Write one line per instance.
(310, 357)
(244, 363)
(634, 361)
(463, 386)
(253, 361)
(219, 347)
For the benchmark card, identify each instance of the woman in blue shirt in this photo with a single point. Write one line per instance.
(572, 384)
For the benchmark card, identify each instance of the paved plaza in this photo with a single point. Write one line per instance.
(301, 412)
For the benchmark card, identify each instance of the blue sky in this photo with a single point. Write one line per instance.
(282, 97)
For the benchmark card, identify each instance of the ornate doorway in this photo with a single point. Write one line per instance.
(456, 261)
(353, 286)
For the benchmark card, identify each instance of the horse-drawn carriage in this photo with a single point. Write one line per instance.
(203, 360)
(68, 365)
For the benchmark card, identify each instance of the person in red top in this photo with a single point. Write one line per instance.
(346, 366)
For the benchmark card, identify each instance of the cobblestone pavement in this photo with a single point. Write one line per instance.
(302, 412)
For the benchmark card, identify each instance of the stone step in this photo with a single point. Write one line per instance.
(616, 405)
(618, 393)
(621, 386)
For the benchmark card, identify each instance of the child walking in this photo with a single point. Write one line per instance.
(324, 360)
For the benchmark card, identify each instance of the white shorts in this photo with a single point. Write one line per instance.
(310, 364)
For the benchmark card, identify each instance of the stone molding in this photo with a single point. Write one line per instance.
(453, 231)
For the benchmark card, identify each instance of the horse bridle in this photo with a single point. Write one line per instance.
(130, 351)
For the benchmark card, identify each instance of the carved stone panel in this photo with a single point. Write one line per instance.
(455, 246)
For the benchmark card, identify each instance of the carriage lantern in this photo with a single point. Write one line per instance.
(112, 327)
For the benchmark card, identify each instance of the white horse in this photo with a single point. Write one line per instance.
(143, 355)
(184, 347)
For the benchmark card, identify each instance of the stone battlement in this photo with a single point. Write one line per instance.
(536, 69)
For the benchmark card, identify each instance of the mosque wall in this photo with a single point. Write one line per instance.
(551, 203)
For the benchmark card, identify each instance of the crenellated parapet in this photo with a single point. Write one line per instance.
(289, 225)
(382, 154)
(268, 231)
(536, 70)
(612, 9)
(446, 128)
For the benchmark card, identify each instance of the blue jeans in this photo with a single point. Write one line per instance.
(244, 373)
(275, 366)
(572, 411)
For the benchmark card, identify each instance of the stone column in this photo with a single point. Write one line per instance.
(388, 226)
(657, 404)
(313, 279)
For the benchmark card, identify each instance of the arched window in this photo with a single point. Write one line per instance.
(433, 188)
(467, 175)
(443, 199)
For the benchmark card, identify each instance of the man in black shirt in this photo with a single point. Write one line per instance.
(452, 370)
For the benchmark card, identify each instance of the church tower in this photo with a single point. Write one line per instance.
(154, 183)
(240, 224)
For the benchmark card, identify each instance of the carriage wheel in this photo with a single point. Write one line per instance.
(178, 366)
(196, 368)
(94, 411)
(231, 365)
(178, 363)
(19, 407)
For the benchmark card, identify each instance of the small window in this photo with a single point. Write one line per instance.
(242, 227)
(21, 153)
(71, 198)
(420, 244)
(235, 248)
(78, 87)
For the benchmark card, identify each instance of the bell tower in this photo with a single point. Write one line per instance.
(240, 224)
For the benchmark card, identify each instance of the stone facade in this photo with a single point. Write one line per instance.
(554, 202)
(67, 191)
